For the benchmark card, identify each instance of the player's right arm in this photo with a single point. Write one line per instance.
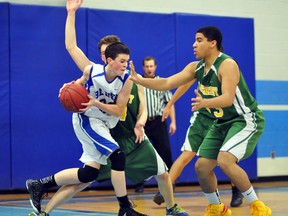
(163, 84)
(75, 52)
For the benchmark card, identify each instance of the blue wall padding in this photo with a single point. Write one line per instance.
(154, 34)
(5, 153)
(42, 139)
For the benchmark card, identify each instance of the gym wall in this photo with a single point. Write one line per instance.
(37, 137)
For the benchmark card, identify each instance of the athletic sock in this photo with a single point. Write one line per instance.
(213, 198)
(250, 195)
(123, 202)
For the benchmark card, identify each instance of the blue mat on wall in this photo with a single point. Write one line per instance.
(42, 139)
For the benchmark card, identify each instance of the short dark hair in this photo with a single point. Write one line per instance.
(148, 58)
(212, 33)
(114, 49)
(108, 40)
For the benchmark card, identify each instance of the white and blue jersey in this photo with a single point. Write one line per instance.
(92, 127)
(105, 92)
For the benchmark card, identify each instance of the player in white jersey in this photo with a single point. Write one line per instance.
(104, 91)
(109, 92)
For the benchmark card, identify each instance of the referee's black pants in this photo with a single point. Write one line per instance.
(157, 132)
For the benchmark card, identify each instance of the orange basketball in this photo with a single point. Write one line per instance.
(72, 95)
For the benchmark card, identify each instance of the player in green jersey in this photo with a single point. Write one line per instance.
(223, 92)
(196, 132)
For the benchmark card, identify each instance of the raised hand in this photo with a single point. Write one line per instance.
(134, 76)
(73, 5)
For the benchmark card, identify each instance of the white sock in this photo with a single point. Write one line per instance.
(250, 195)
(213, 198)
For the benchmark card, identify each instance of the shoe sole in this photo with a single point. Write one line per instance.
(31, 202)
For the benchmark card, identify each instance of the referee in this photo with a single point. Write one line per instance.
(155, 128)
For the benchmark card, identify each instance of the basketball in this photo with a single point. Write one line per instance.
(72, 95)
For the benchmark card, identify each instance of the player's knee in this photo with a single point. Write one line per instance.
(163, 178)
(87, 174)
(118, 160)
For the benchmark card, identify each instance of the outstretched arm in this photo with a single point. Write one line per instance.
(163, 84)
(70, 36)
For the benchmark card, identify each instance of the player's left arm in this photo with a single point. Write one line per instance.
(142, 116)
(121, 101)
(113, 109)
(229, 76)
(75, 52)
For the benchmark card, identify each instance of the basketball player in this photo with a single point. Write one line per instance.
(223, 92)
(109, 90)
(199, 126)
(142, 160)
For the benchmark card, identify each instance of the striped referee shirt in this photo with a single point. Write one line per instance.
(156, 101)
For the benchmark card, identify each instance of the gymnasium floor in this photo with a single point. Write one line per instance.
(103, 203)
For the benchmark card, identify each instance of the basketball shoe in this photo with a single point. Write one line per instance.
(129, 211)
(176, 210)
(217, 210)
(258, 208)
(38, 214)
(37, 193)
(237, 197)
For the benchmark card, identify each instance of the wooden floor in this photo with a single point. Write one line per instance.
(103, 202)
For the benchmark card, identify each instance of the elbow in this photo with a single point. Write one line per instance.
(70, 46)
(229, 102)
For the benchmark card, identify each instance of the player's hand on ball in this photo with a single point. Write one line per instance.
(64, 85)
(92, 101)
